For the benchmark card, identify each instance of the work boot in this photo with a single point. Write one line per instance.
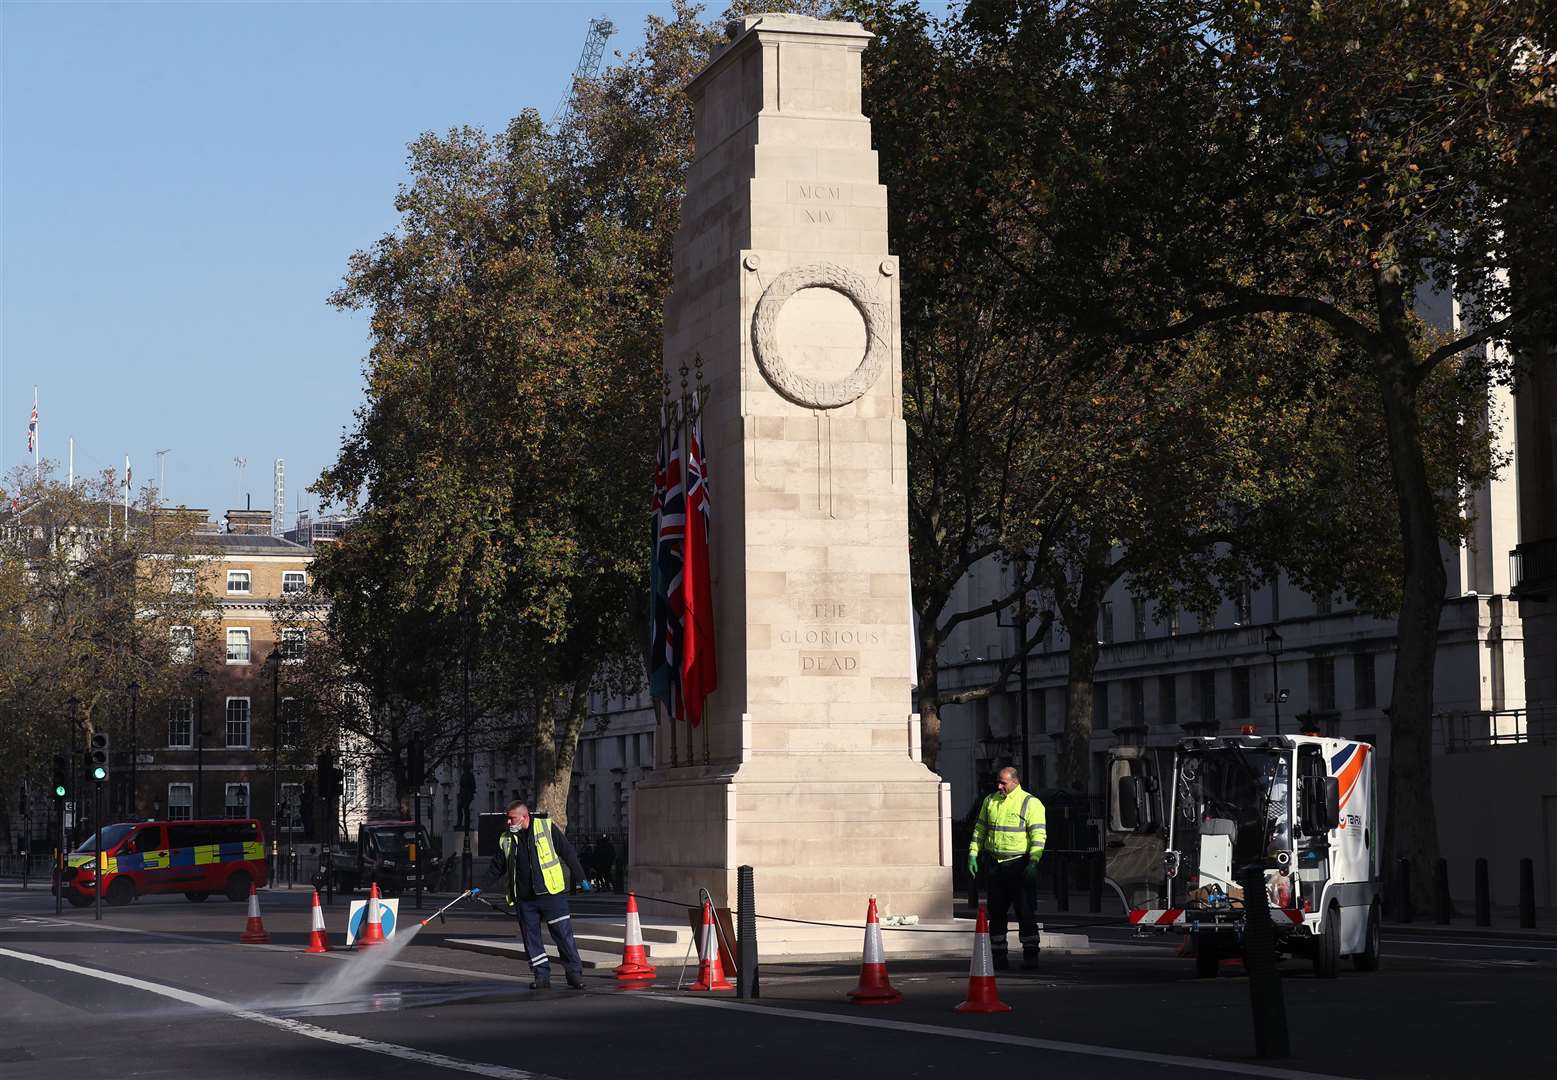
(576, 980)
(542, 981)
(1001, 960)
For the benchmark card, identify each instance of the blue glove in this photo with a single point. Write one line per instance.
(473, 892)
(585, 886)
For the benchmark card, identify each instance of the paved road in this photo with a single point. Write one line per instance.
(163, 989)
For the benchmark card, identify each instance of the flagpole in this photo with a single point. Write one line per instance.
(127, 497)
(702, 461)
(37, 440)
(71, 482)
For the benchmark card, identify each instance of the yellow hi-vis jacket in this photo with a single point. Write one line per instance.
(545, 857)
(1010, 826)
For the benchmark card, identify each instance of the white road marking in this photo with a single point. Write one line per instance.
(1084, 1049)
(1469, 945)
(295, 1027)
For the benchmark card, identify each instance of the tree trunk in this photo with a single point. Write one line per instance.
(554, 756)
(929, 717)
(1076, 753)
(1410, 823)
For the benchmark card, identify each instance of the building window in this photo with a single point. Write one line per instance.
(1099, 706)
(292, 807)
(1105, 623)
(1173, 623)
(1321, 683)
(1243, 605)
(1208, 696)
(1138, 617)
(181, 728)
(183, 581)
(236, 804)
(1275, 596)
(1135, 701)
(293, 645)
(349, 787)
(1363, 678)
(291, 721)
(1047, 641)
(237, 581)
(238, 723)
(293, 581)
(1242, 707)
(182, 642)
(181, 799)
(237, 645)
(1168, 699)
(1039, 778)
(1322, 604)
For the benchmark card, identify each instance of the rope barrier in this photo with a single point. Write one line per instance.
(858, 926)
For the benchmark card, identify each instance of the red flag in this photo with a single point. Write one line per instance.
(699, 669)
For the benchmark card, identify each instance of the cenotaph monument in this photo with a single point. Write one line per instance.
(807, 766)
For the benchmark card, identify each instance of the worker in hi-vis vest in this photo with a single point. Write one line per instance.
(1008, 838)
(530, 857)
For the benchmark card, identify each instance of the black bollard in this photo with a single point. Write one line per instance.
(1443, 907)
(1483, 895)
(1265, 993)
(746, 984)
(1062, 884)
(1403, 912)
(1526, 894)
(1095, 882)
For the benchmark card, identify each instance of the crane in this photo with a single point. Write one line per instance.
(588, 66)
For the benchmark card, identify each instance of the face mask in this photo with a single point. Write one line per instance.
(513, 828)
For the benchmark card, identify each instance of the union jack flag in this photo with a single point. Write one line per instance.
(699, 674)
(665, 567)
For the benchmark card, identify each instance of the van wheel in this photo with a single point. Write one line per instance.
(121, 892)
(197, 897)
(1327, 947)
(238, 887)
(1208, 957)
(77, 900)
(1368, 959)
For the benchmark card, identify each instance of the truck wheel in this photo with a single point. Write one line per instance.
(1327, 946)
(1368, 959)
(121, 892)
(197, 897)
(1208, 956)
(77, 900)
(238, 887)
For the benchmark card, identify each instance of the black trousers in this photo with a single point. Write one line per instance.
(1007, 885)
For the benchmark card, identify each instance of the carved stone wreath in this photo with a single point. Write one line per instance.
(800, 389)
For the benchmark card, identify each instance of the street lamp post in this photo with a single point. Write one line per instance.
(1273, 650)
(273, 662)
(201, 676)
(72, 770)
(135, 803)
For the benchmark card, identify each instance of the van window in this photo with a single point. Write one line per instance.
(147, 839)
(112, 834)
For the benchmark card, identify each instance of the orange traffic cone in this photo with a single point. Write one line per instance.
(874, 989)
(254, 933)
(318, 941)
(635, 958)
(982, 995)
(373, 928)
(710, 972)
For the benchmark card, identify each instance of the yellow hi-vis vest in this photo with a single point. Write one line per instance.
(545, 856)
(1010, 826)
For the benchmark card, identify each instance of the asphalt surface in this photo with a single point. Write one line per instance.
(163, 989)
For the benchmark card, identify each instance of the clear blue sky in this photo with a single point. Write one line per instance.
(180, 188)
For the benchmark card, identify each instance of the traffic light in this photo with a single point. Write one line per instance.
(97, 758)
(61, 776)
(330, 778)
(415, 765)
(24, 803)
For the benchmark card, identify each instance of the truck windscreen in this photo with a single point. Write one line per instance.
(1246, 789)
(392, 841)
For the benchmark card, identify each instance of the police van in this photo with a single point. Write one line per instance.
(196, 858)
(1186, 823)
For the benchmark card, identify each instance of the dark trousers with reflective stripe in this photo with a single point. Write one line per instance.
(551, 911)
(1007, 887)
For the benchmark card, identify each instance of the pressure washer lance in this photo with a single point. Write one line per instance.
(439, 913)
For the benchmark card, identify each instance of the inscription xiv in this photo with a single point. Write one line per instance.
(819, 193)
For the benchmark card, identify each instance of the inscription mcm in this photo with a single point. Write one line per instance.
(831, 193)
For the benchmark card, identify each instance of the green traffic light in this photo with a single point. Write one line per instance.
(59, 791)
(99, 773)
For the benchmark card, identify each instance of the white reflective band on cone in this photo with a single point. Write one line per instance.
(983, 963)
(873, 944)
(634, 931)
